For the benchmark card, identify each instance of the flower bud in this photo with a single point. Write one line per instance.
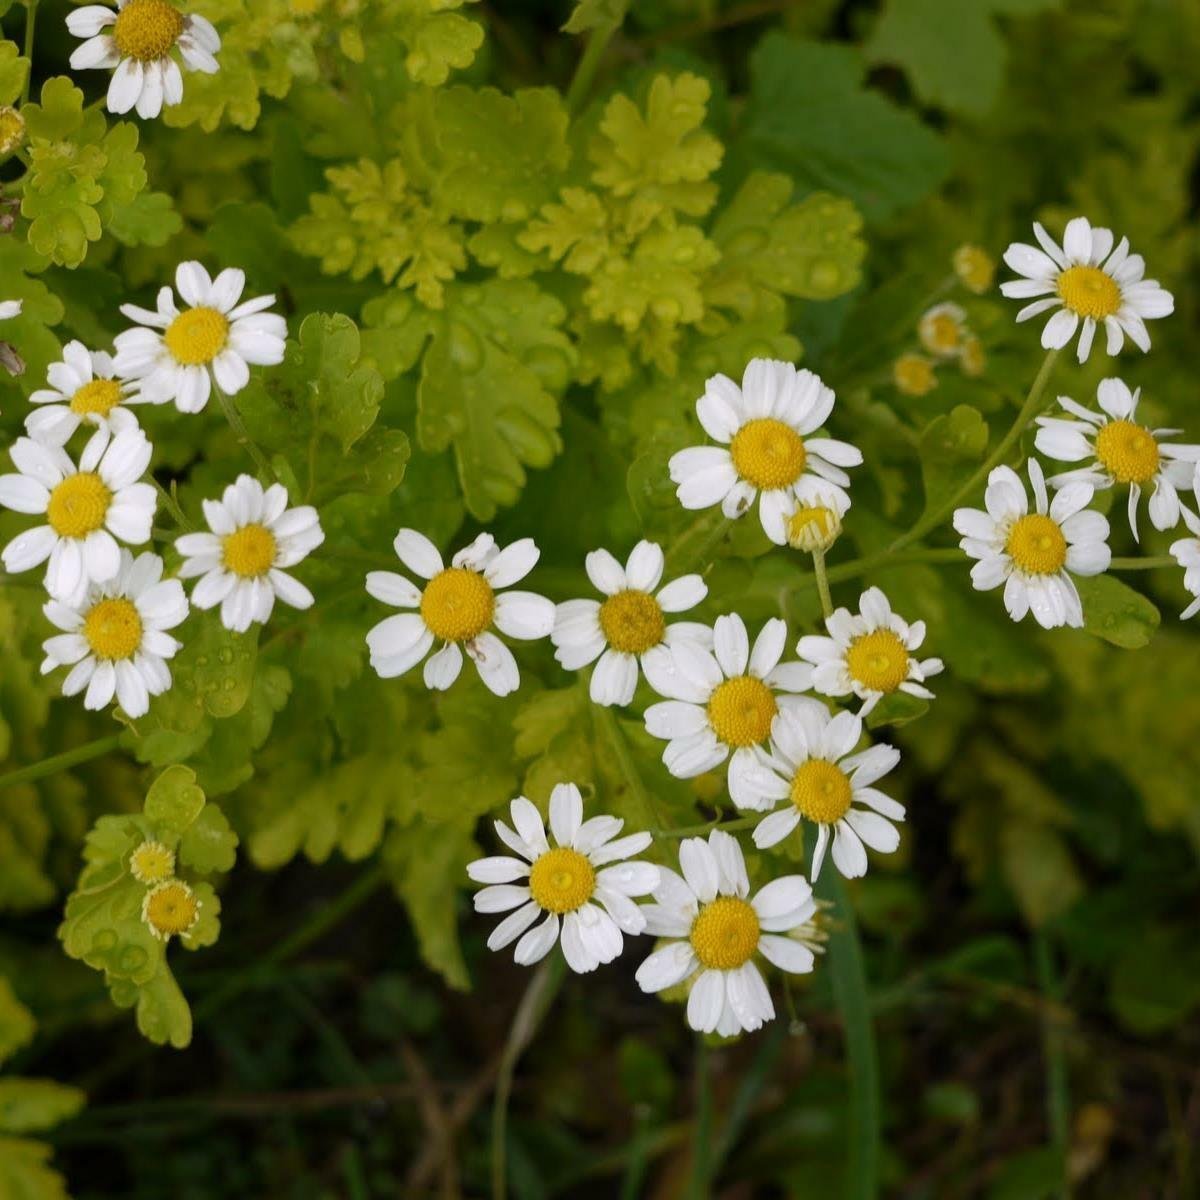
(814, 526)
(975, 268)
(12, 129)
(942, 329)
(913, 375)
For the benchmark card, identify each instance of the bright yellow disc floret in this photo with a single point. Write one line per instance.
(78, 505)
(1089, 292)
(562, 880)
(632, 621)
(1036, 544)
(821, 791)
(768, 453)
(741, 710)
(146, 30)
(249, 551)
(197, 336)
(725, 933)
(1128, 451)
(878, 660)
(458, 604)
(113, 629)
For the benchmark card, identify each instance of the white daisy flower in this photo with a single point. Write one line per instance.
(214, 341)
(722, 703)
(1034, 554)
(1120, 450)
(629, 625)
(87, 509)
(716, 932)
(583, 883)
(137, 39)
(1089, 282)
(244, 561)
(813, 769)
(115, 640)
(82, 391)
(10, 309)
(869, 654)
(457, 607)
(1186, 552)
(763, 427)
(943, 329)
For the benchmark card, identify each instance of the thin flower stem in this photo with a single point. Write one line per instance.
(1058, 1103)
(607, 719)
(681, 558)
(534, 1005)
(1149, 563)
(588, 65)
(60, 762)
(700, 1186)
(1033, 402)
(229, 406)
(704, 830)
(819, 574)
(172, 504)
(31, 7)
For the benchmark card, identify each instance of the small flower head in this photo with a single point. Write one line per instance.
(816, 523)
(818, 778)
(170, 908)
(1089, 284)
(1034, 554)
(723, 702)
(975, 268)
(152, 862)
(138, 40)
(82, 391)
(582, 884)
(179, 356)
(914, 375)
(942, 330)
(244, 561)
(972, 358)
(765, 429)
(1186, 551)
(869, 654)
(86, 509)
(629, 627)
(12, 129)
(1117, 449)
(458, 607)
(115, 639)
(716, 930)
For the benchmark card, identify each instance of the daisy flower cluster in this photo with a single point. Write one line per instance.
(113, 609)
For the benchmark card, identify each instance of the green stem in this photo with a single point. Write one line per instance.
(1150, 563)
(700, 1183)
(854, 1003)
(588, 65)
(533, 1007)
(1058, 1104)
(60, 762)
(239, 428)
(819, 574)
(681, 557)
(31, 8)
(705, 830)
(933, 518)
(605, 717)
(172, 505)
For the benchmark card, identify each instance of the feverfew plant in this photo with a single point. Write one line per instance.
(580, 497)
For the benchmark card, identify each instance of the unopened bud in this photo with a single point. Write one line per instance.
(972, 358)
(813, 527)
(975, 268)
(913, 375)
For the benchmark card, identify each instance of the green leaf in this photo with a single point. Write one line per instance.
(33, 1105)
(25, 1173)
(163, 1014)
(596, 14)
(951, 447)
(915, 35)
(489, 387)
(174, 801)
(1155, 983)
(149, 220)
(1040, 869)
(16, 1022)
(809, 114)
(1113, 611)
(13, 71)
(208, 844)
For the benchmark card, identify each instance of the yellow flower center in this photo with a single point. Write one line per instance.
(741, 710)
(725, 933)
(170, 908)
(1128, 451)
(152, 862)
(458, 604)
(78, 505)
(768, 453)
(821, 791)
(100, 396)
(12, 129)
(1036, 544)
(913, 375)
(113, 629)
(562, 880)
(941, 332)
(878, 660)
(249, 551)
(1089, 292)
(972, 358)
(975, 267)
(813, 527)
(632, 621)
(147, 29)
(197, 336)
